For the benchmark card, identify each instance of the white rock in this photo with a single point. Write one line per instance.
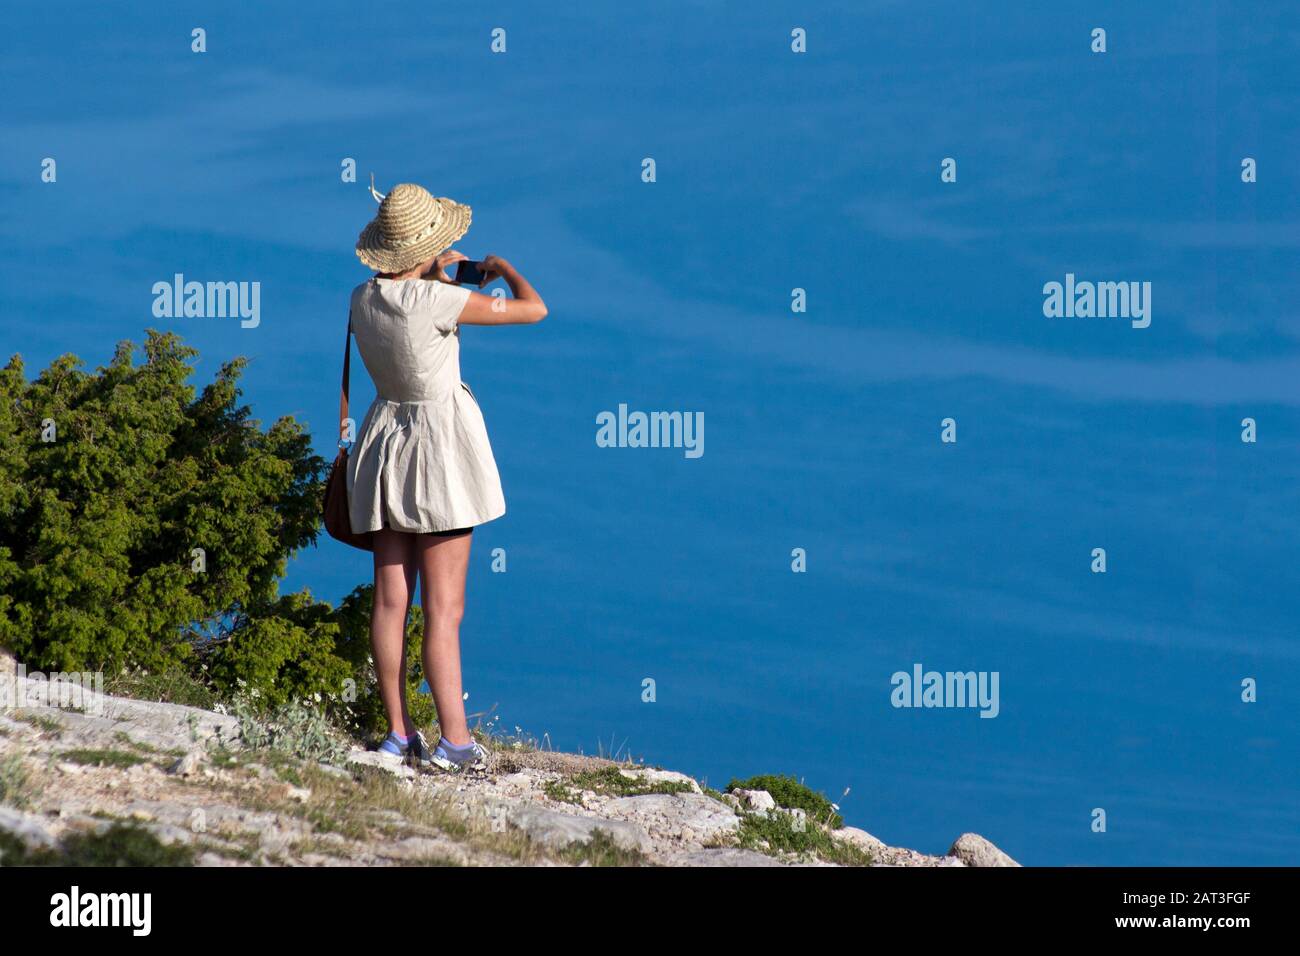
(166, 726)
(859, 838)
(725, 856)
(757, 801)
(672, 814)
(558, 830)
(424, 848)
(214, 859)
(372, 758)
(189, 764)
(280, 836)
(973, 850)
(661, 776)
(28, 827)
(332, 770)
(687, 828)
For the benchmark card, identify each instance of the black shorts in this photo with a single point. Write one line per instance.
(454, 533)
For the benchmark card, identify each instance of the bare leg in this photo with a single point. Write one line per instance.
(395, 570)
(443, 563)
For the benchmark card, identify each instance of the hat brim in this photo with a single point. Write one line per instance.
(371, 250)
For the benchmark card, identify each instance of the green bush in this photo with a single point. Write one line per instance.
(286, 653)
(791, 794)
(98, 531)
(98, 526)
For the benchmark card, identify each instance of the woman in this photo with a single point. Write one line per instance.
(421, 475)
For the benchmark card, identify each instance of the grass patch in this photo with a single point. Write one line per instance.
(793, 795)
(15, 782)
(285, 766)
(125, 740)
(241, 846)
(12, 850)
(169, 687)
(42, 723)
(380, 791)
(121, 844)
(119, 759)
(353, 807)
(610, 781)
(239, 853)
(780, 833)
(428, 861)
(333, 806)
(222, 757)
(289, 774)
(600, 850)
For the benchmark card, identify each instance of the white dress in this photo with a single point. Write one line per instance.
(422, 461)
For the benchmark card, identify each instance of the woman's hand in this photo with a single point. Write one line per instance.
(525, 308)
(493, 267)
(440, 263)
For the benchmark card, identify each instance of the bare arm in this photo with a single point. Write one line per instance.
(525, 308)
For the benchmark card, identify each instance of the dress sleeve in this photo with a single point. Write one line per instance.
(446, 303)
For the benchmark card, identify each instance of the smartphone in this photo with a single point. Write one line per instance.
(469, 273)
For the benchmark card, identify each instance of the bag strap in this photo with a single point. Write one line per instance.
(343, 391)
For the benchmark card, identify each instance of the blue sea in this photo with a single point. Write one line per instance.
(774, 171)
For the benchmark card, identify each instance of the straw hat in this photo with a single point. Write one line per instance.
(411, 226)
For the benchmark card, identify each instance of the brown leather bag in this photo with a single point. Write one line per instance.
(337, 521)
